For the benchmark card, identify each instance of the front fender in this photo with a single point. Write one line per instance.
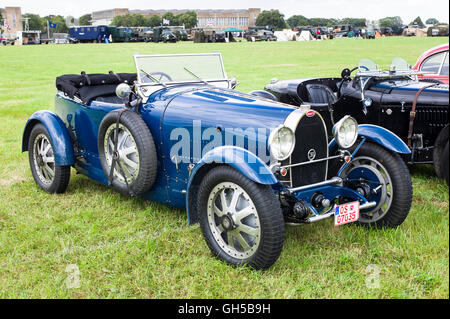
(381, 136)
(59, 136)
(245, 162)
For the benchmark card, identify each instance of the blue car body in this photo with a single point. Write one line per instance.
(196, 128)
(74, 126)
(170, 108)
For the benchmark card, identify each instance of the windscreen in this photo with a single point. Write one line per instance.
(179, 68)
(399, 64)
(367, 65)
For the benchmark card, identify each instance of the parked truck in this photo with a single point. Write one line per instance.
(89, 34)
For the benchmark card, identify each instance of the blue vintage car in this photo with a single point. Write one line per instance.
(242, 166)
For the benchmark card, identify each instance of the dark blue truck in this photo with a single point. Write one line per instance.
(89, 34)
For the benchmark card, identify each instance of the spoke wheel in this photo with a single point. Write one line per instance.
(136, 162)
(127, 153)
(234, 221)
(380, 176)
(368, 171)
(241, 220)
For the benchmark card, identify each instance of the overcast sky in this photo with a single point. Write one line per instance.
(370, 9)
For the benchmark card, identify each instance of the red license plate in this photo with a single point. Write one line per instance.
(346, 213)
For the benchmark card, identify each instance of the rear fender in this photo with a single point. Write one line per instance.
(245, 162)
(59, 136)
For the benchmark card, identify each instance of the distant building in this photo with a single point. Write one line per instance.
(220, 19)
(105, 17)
(11, 23)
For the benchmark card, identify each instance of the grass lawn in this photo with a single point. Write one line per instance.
(92, 242)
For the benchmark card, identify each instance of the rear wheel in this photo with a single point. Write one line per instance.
(438, 152)
(380, 176)
(241, 221)
(445, 164)
(50, 177)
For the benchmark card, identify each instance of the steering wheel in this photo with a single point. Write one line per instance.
(158, 76)
(346, 77)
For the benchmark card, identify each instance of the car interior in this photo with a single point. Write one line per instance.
(89, 88)
(319, 92)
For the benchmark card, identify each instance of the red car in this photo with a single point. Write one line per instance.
(435, 61)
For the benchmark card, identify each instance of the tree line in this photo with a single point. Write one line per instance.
(36, 22)
(189, 19)
(276, 19)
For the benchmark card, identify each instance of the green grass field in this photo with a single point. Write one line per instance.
(92, 242)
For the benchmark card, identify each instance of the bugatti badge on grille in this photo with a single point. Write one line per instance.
(311, 154)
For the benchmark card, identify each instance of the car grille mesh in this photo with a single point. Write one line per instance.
(310, 135)
(435, 117)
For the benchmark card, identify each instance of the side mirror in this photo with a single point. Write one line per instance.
(123, 91)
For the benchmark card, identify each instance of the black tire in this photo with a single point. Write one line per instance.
(432, 81)
(137, 134)
(399, 202)
(269, 242)
(444, 163)
(54, 179)
(438, 150)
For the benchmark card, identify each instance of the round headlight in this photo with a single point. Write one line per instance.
(345, 132)
(281, 143)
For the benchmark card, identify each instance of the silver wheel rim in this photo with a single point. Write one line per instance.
(387, 192)
(233, 220)
(128, 154)
(44, 159)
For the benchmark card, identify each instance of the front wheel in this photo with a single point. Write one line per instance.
(380, 176)
(241, 220)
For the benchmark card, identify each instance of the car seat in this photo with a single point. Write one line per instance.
(320, 94)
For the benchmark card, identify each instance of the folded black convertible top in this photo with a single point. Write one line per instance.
(88, 87)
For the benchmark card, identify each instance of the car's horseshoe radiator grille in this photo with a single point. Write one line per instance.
(311, 138)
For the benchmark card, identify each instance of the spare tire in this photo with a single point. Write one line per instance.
(136, 160)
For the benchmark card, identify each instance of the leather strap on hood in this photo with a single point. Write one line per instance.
(412, 114)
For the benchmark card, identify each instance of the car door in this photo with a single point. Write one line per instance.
(437, 67)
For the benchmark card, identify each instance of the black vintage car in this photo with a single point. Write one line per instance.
(416, 111)
(164, 34)
(260, 33)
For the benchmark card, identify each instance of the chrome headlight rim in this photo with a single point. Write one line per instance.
(271, 140)
(337, 127)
